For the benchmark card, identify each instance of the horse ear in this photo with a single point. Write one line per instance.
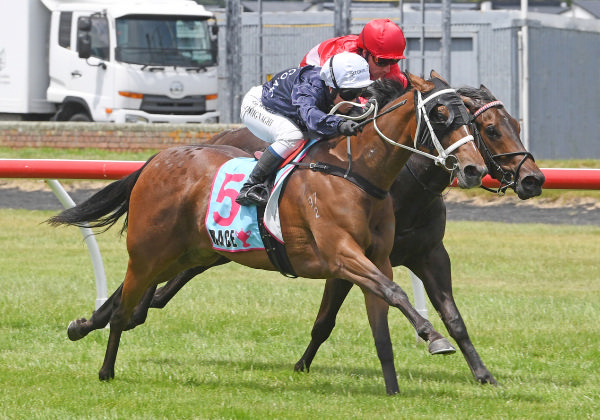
(435, 74)
(421, 84)
(414, 79)
(484, 88)
(469, 103)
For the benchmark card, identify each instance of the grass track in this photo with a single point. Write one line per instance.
(225, 347)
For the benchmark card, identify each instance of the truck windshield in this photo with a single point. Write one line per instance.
(164, 41)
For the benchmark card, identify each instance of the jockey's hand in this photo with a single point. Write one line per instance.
(371, 102)
(348, 128)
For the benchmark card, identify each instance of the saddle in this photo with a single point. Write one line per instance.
(235, 228)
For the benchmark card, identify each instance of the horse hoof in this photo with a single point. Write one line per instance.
(487, 379)
(441, 346)
(106, 375)
(73, 331)
(301, 366)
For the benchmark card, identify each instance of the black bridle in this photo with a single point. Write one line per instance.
(507, 179)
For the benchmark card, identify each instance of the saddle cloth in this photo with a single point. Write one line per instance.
(232, 227)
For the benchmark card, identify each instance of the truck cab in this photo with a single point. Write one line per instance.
(127, 60)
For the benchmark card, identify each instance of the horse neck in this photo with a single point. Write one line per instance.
(376, 159)
(429, 176)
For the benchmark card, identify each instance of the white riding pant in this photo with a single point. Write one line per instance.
(283, 134)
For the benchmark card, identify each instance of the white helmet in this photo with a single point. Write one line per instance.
(346, 70)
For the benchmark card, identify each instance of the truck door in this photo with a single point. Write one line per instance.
(86, 83)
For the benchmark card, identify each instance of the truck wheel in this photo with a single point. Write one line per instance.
(80, 117)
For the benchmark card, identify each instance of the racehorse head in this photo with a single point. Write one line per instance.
(437, 126)
(497, 137)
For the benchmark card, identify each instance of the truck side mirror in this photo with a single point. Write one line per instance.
(84, 45)
(84, 24)
(84, 39)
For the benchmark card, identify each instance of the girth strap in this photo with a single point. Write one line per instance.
(356, 179)
(275, 250)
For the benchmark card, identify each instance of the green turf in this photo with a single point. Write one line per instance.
(225, 347)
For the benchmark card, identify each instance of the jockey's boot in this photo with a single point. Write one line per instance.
(254, 191)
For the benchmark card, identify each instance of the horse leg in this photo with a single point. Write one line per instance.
(132, 291)
(377, 312)
(153, 298)
(79, 328)
(334, 294)
(140, 312)
(435, 272)
(164, 294)
(356, 267)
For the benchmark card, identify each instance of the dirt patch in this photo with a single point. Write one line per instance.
(509, 209)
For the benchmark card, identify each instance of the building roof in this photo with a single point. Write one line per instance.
(590, 6)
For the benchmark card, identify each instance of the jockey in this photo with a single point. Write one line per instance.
(294, 105)
(381, 43)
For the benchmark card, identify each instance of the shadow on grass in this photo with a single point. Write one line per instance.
(369, 381)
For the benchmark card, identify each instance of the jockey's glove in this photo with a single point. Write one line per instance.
(371, 102)
(348, 128)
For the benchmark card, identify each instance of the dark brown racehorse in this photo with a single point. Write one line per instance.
(166, 201)
(420, 225)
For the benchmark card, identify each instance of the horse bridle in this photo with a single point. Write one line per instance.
(508, 179)
(424, 104)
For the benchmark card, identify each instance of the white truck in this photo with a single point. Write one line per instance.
(108, 60)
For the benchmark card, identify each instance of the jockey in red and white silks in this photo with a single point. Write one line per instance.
(381, 43)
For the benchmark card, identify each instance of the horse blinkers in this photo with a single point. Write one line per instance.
(457, 116)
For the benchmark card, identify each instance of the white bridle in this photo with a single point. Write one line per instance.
(443, 154)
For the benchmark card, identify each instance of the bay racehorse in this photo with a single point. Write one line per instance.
(420, 214)
(165, 203)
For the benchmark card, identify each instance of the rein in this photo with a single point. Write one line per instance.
(347, 173)
(508, 179)
(420, 106)
(443, 154)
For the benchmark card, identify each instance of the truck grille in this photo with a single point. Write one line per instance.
(158, 104)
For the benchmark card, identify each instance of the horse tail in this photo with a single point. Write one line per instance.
(104, 208)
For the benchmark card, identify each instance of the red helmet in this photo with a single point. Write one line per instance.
(382, 38)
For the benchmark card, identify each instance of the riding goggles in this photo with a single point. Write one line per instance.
(382, 62)
(349, 94)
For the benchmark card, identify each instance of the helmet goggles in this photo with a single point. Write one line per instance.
(349, 94)
(382, 62)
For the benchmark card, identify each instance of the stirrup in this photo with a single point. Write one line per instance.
(257, 194)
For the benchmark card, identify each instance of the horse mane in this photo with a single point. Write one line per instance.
(386, 90)
(479, 95)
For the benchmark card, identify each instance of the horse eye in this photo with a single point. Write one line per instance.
(437, 116)
(492, 132)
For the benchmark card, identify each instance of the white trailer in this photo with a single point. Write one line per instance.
(108, 60)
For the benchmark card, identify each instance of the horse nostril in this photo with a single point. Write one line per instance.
(530, 186)
(532, 182)
(474, 171)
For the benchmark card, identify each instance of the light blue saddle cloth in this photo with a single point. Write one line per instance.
(232, 227)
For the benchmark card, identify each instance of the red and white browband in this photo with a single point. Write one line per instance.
(486, 107)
